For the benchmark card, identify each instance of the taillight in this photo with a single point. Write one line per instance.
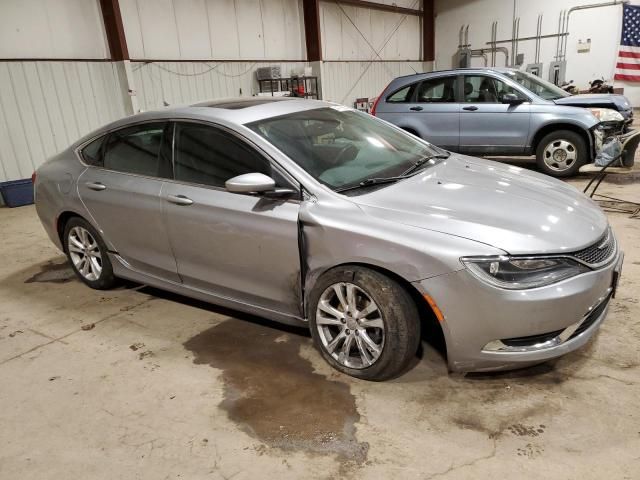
(33, 178)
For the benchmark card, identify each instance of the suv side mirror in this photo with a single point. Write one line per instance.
(512, 99)
(257, 183)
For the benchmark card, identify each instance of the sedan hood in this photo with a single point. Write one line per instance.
(515, 210)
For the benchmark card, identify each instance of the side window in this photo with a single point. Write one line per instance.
(438, 90)
(482, 89)
(139, 150)
(209, 156)
(403, 95)
(92, 153)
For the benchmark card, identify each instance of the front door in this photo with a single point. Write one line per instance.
(238, 246)
(121, 190)
(488, 126)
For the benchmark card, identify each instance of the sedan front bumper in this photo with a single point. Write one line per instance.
(488, 328)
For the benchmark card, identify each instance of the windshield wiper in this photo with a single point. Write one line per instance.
(424, 160)
(410, 172)
(372, 181)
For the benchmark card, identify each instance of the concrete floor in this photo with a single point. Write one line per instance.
(135, 383)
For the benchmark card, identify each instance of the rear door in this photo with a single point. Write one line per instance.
(430, 108)
(486, 124)
(121, 190)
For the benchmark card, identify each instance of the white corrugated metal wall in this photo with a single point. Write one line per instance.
(55, 84)
(46, 106)
(365, 49)
(171, 83)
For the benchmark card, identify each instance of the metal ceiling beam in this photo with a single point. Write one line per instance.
(114, 30)
(378, 6)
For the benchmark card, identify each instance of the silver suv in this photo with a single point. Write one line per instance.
(503, 112)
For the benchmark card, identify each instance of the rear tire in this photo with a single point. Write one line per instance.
(87, 254)
(364, 323)
(561, 153)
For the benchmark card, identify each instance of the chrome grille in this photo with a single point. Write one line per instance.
(600, 252)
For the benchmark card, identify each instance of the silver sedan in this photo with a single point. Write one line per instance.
(314, 214)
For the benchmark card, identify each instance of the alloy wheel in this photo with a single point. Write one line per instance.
(350, 325)
(559, 155)
(85, 253)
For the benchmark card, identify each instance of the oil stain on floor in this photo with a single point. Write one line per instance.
(272, 393)
(52, 272)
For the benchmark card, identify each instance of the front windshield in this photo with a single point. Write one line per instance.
(541, 88)
(342, 147)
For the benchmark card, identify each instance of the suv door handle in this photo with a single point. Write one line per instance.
(179, 200)
(416, 109)
(97, 186)
(471, 108)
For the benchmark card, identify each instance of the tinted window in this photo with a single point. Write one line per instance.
(438, 90)
(92, 153)
(481, 89)
(139, 150)
(210, 156)
(402, 95)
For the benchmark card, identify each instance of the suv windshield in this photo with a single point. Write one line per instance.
(541, 88)
(341, 147)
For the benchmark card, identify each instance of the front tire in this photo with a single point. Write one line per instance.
(364, 323)
(87, 254)
(561, 153)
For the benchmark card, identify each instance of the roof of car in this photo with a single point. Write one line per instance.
(238, 110)
(462, 70)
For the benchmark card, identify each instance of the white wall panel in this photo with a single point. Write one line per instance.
(343, 82)
(354, 33)
(51, 29)
(179, 83)
(601, 25)
(45, 106)
(214, 29)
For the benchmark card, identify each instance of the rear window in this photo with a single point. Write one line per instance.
(403, 95)
(92, 153)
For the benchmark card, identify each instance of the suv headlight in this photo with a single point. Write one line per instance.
(516, 273)
(607, 114)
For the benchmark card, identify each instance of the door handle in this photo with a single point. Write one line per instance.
(471, 108)
(416, 109)
(179, 199)
(97, 186)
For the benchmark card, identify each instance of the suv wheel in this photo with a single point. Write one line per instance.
(561, 153)
(364, 323)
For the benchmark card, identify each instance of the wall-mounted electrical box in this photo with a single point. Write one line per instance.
(535, 69)
(557, 72)
(462, 58)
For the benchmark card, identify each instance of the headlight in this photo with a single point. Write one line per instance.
(515, 273)
(607, 115)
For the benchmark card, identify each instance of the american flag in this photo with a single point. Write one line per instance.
(628, 65)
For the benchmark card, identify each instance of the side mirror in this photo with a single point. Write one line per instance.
(257, 183)
(250, 183)
(512, 99)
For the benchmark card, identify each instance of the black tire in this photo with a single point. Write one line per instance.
(106, 279)
(397, 310)
(543, 158)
